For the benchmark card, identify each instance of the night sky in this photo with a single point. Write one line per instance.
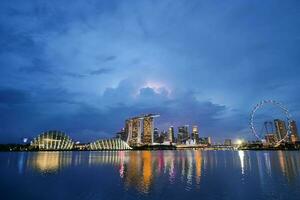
(85, 66)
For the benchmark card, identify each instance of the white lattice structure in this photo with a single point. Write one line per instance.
(109, 144)
(52, 140)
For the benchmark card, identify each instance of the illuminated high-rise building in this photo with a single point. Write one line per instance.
(156, 135)
(209, 140)
(134, 131)
(180, 134)
(205, 140)
(128, 129)
(227, 142)
(134, 127)
(195, 134)
(171, 134)
(271, 139)
(294, 132)
(280, 128)
(148, 128)
(186, 134)
(122, 134)
(183, 134)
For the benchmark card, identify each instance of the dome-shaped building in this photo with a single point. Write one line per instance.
(52, 140)
(109, 144)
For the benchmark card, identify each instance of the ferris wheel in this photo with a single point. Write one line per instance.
(277, 105)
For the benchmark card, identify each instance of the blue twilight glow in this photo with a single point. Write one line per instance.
(85, 66)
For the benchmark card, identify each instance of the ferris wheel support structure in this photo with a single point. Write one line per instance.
(278, 105)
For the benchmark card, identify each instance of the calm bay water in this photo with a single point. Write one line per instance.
(186, 174)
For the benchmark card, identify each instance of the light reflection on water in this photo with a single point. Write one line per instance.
(242, 160)
(189, 171)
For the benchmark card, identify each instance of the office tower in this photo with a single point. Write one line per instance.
(156, 135)
(183, 134)
(205, 140)
(271, 138)
(122, 134)
(280, 129)
(186, 131)
(269, 127)
(294, 132)
(209, 141)
(165, 135)
(195, 134)
(171, 134)
(227, 142)
(162, 137)
(179, 137)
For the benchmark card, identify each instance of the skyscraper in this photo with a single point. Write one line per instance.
(122, 134)
(195, 134)
(183, 134)
(134, 126)
(227, 142)
(180, 134)
(271, 139)
(186, 135)
(148, 138)
(280, 128)
(133, 129)
(128, 129)
(294, 132)
(205, 140)
(165, 135)
(156, 135)
(148, 130)
(171, 134)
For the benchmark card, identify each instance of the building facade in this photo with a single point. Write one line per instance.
(52, 140)
(134, 131)
(294, 132)
(148, 130)
(183, 134)
(271, 139)
(227, 142)
(195, 134)
(171, 134)
(140, 130)
(109, 144)
(280, 128)
(205, 140)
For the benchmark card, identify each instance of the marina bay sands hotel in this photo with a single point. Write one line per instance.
(139, 130)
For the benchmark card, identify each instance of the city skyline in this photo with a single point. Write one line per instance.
(85, 67)
(150, 99)
(137, 132)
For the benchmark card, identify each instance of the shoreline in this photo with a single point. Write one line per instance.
(180, 149)
(28, 148)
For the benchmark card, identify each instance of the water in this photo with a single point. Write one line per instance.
(185, 174)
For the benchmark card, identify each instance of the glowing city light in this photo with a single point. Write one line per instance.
(239, 141)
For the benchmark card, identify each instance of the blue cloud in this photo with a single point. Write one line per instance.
(85, 67)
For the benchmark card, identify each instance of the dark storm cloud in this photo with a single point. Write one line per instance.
(35, 69)
(101, 71)
(85, 67)
(109, 58)
(36, 66)
(73, 75)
